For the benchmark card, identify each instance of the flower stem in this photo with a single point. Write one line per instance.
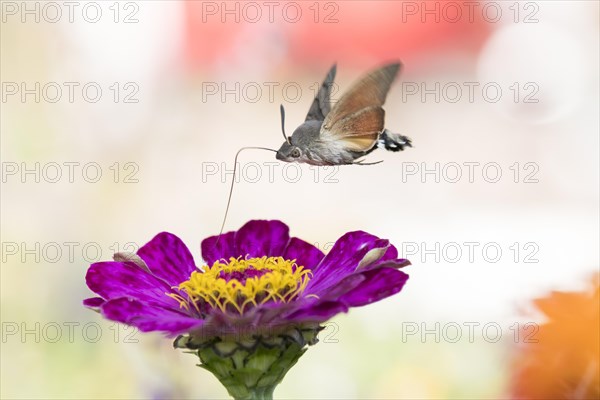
(266, 394)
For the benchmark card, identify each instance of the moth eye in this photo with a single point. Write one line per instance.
(296, 153)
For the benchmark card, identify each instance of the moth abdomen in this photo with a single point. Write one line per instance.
(393, 141)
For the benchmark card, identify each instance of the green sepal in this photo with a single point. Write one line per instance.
(251, 367)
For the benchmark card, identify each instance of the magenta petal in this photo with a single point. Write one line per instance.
(378, 284)
(262, 238)
(318, 312)
(112, 279)
(215, 248)
(339, 289)
(93, 302)
(168, 258)
(390, 254)
(304, 253)
(148, 318)
(390, 259)
(391, 263)
(343, 259)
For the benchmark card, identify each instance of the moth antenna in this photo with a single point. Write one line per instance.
(282, 110)
(233, 182)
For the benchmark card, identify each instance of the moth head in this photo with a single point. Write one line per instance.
(288, 152)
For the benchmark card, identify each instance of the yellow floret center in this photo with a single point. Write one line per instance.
(241, 284)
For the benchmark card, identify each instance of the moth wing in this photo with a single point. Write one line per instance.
(357, 118)
(321, 105)
(360, 129)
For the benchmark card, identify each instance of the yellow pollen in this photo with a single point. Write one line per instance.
(261, 280)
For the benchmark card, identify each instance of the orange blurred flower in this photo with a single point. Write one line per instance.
(562, 361)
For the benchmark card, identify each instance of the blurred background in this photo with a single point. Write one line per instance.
(121, 119)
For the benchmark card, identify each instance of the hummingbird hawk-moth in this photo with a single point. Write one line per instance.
(352, 128)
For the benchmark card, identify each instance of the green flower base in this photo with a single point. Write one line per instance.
(251, 368)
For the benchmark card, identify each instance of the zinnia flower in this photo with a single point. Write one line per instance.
(561, 360)
(256, 301)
